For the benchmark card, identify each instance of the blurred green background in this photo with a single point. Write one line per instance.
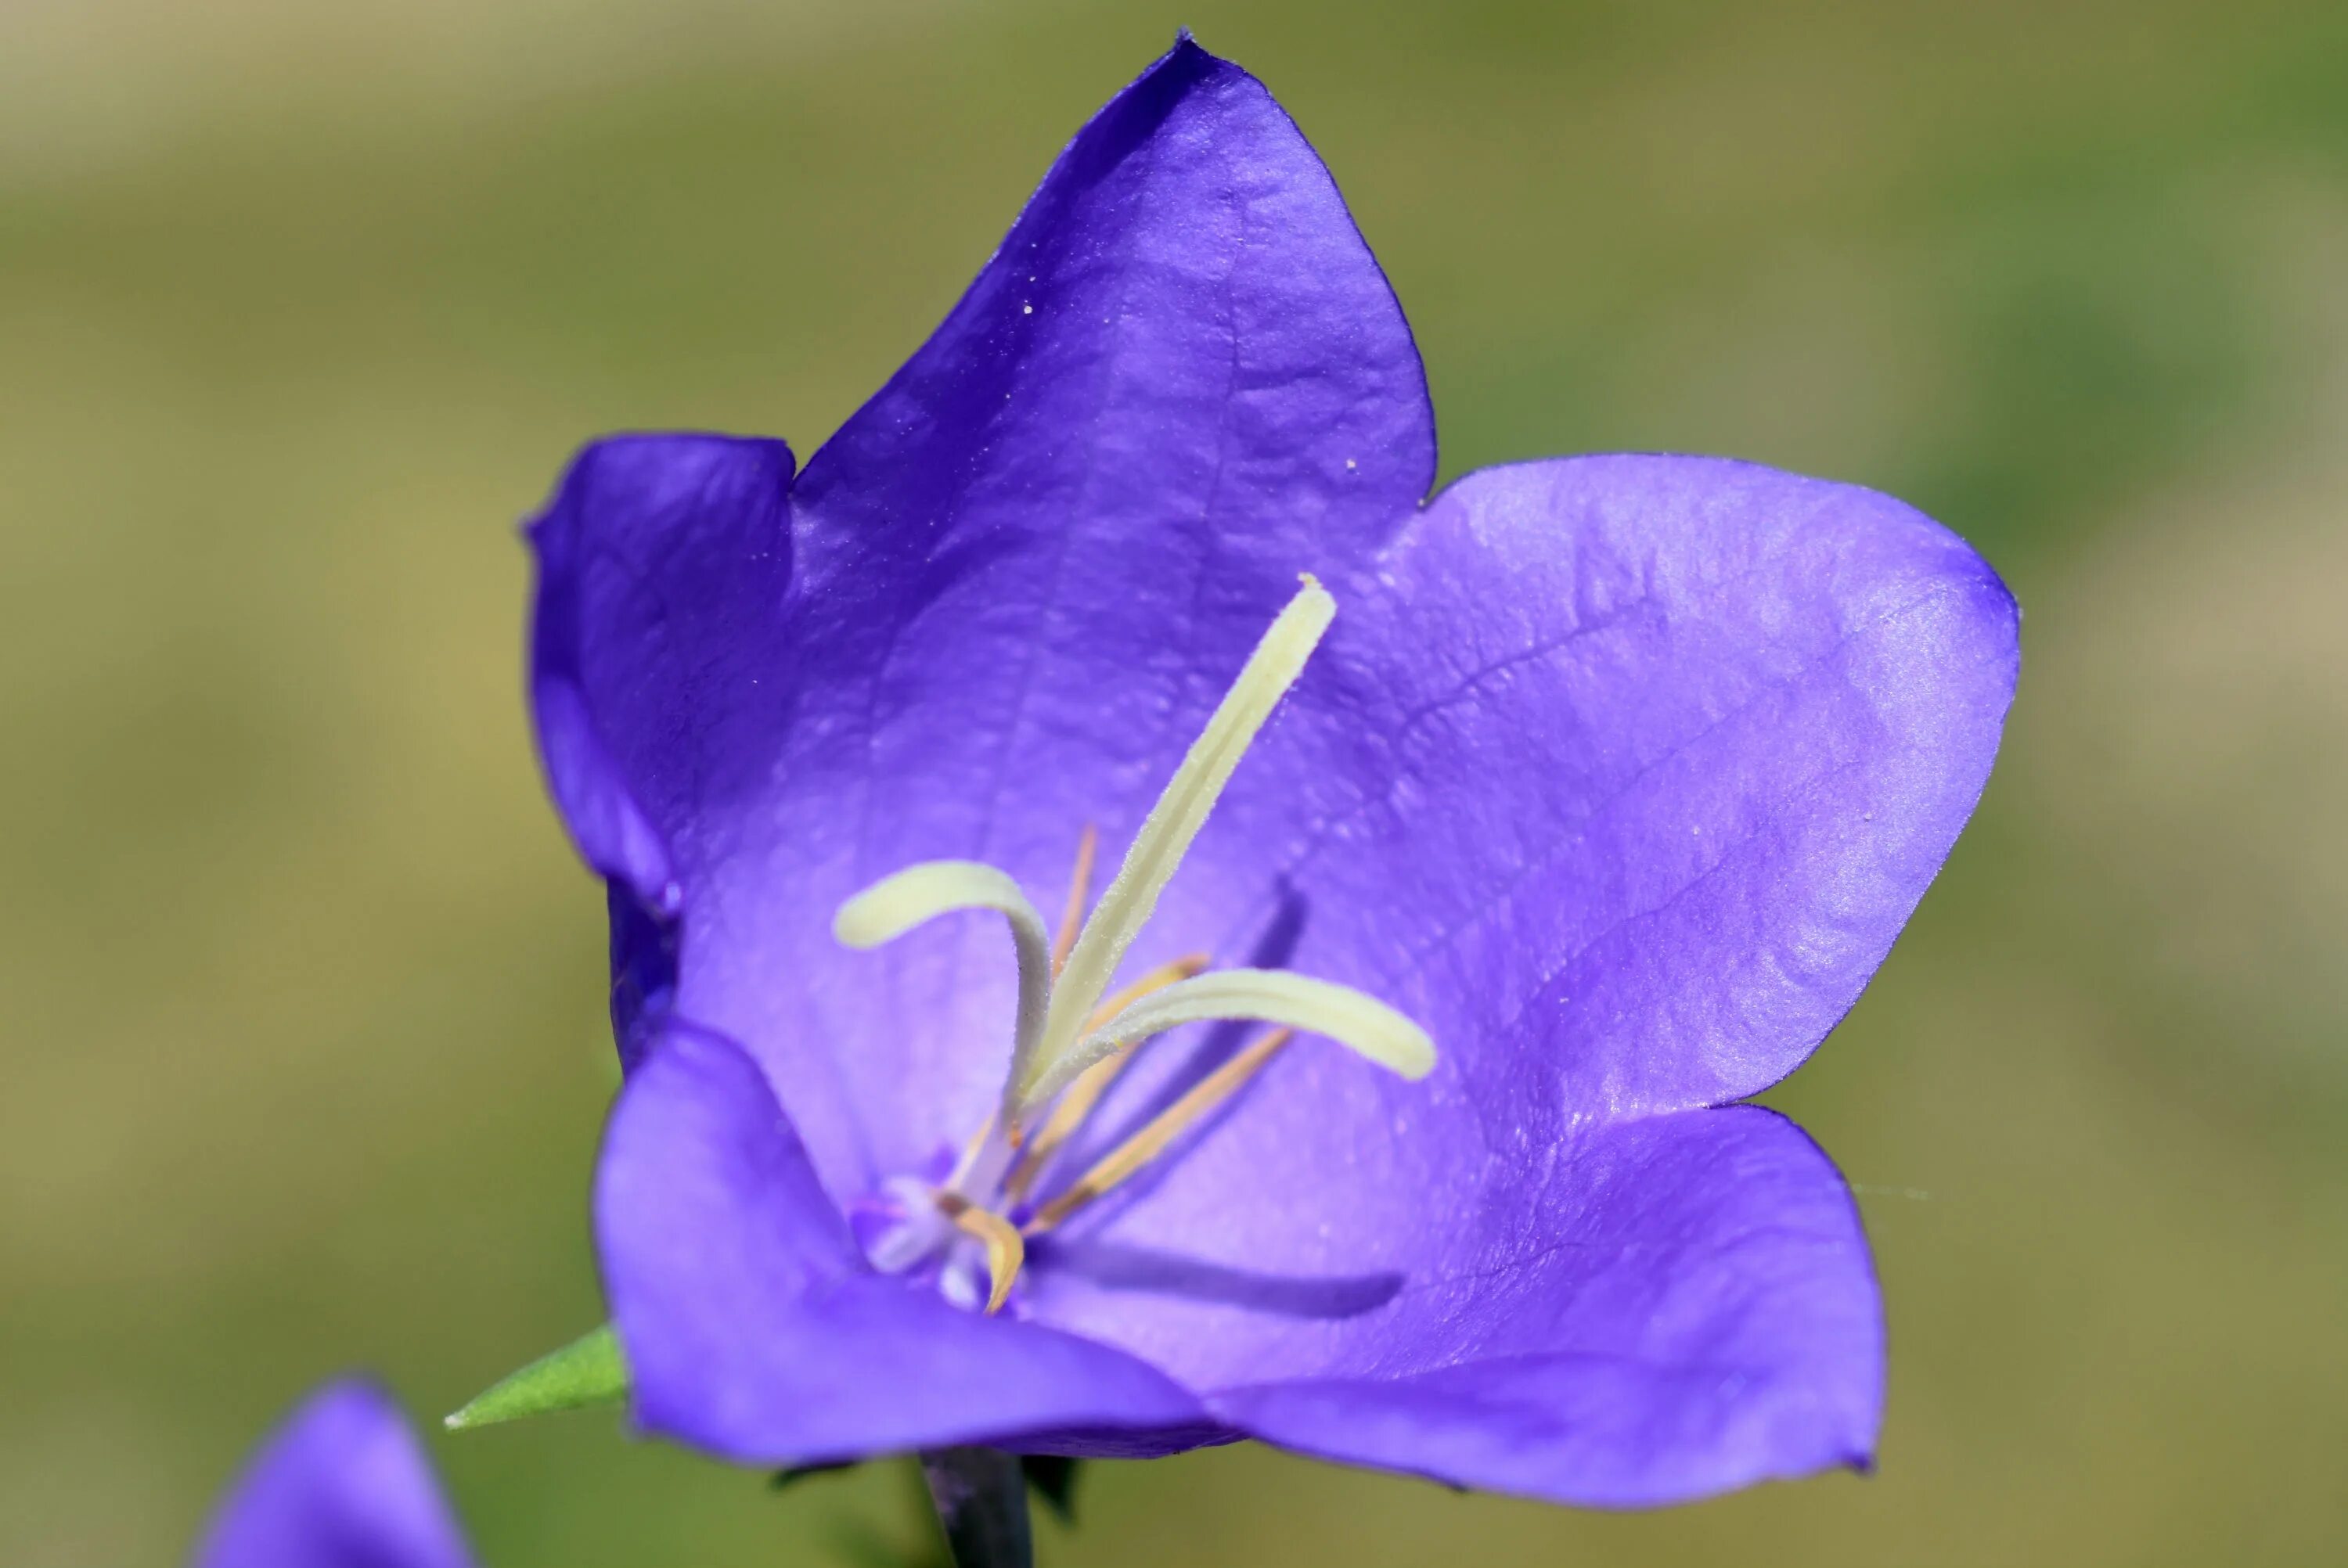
(302, 307)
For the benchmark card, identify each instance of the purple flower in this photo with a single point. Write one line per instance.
(1618, 776)
(343, 1484)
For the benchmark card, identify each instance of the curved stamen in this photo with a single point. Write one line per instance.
(1006, 1248)
(1166, 834)
(895, 905)
(1359, 1022)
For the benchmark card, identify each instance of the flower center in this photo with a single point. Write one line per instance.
(1072, 1037)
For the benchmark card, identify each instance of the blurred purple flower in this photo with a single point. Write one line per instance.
(1619, 775)
(344, 1483)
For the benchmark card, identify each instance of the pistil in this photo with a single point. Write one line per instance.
(1069, 1042)
(1094, 1082)
(919, 894)
(1167, 832)
(1273, 996)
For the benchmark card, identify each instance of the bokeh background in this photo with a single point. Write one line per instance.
(302, 306)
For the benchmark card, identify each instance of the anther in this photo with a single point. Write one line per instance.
(1006, 1248)
(1080, 887)
(1163, 1129)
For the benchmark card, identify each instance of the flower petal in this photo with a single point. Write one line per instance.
(1634, 766)
(752, 1326)
(662, 564)
(1621, 779)
(1182, 348)
(1018, 581)
(344, 1483)
(1701, 1314)
(1037, 558)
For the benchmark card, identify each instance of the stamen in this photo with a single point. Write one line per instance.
(1362, 1024)
(895, 905)
(1163, 1129)
(1069, 1043)
(1006, 1248)
(1094, 1082)
(1166, 834)
(983, 1146)
(1072, 914)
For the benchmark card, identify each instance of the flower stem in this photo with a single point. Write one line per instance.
(982, 1501)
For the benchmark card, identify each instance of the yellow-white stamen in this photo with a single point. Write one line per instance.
(1358, 1021)
(895, 905)
(1167, 832)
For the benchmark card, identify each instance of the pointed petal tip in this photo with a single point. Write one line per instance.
(1187, 53)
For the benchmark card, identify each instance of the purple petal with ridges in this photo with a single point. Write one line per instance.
(1020, 577)
(1620, 778)
(344, 1483)
(663, 566)
(1695, 1312)
(754, 1329)
(1638, 764)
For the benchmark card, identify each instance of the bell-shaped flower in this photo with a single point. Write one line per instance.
(1543, 820)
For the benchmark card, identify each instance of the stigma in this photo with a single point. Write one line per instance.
(1072, 1036)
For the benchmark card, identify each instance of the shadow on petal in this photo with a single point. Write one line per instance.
(1115, 1266)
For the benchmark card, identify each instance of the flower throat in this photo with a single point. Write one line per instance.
(1071, 1037)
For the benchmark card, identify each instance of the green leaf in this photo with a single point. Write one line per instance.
(587, 1372)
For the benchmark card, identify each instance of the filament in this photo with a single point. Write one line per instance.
(1071, 914)
(1163, 1129)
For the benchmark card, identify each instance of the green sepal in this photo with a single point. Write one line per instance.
(799, 1472)
(585, 1373)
